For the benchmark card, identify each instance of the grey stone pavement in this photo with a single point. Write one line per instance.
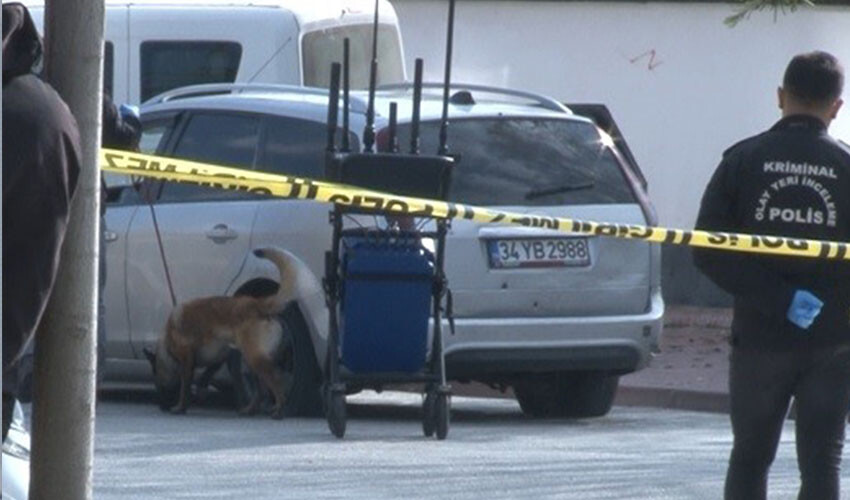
(691, 371)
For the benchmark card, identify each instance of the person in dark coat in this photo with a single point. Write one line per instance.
(791, 324)
(41, 164)
(120, 129)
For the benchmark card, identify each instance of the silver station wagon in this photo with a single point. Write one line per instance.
(557, 317)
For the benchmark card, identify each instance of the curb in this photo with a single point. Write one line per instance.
(672, 399)
(628, 395)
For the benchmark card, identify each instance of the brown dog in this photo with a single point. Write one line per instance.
(202, 332)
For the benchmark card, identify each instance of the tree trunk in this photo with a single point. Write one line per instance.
(64, 371)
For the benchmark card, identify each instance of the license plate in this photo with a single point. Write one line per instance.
(538, 252)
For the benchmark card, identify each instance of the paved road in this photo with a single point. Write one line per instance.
(492, 452)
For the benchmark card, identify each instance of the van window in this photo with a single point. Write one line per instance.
(296, 147)
(172, 64)
(321, 48)
(217, 138)
(528, 161)
(108, 68)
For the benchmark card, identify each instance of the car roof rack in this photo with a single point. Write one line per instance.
(540, 100)
(237, 88)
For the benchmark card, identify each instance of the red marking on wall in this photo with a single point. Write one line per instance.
(653, 60)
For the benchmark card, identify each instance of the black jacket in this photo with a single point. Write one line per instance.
(41, 163)
(792, 180)
(118, 132)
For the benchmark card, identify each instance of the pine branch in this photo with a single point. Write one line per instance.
(778, 6)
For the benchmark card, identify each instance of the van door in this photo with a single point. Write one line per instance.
(205, 232)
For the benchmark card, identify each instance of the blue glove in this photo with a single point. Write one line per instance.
(805, 307)
(128, 111)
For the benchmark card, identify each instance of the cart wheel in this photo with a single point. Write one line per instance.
(429, 420)
(442, 407)
(336, 413)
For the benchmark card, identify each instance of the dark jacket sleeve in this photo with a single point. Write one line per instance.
(743, 275)
(117, 132)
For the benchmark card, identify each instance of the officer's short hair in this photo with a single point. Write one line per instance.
(815, 77)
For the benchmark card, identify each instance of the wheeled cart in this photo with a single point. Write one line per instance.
(385, 284)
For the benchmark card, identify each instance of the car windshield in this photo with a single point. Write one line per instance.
(528, 161)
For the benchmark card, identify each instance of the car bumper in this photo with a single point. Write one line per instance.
(619, 344)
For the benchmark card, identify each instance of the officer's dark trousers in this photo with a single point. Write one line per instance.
(761, 386)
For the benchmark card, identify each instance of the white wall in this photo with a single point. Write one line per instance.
(709, 86)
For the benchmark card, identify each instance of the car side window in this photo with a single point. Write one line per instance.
(167, 65)
(219, 138)
(294, 147)
(120, 188)
(153, 132)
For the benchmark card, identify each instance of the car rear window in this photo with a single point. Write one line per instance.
(296, 147)
(528, 161)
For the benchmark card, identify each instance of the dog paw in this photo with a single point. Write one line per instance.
(178, 410)
(201, 395)
(277, 414)
(247, 411)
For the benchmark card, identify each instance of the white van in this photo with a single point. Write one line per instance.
(157, 45)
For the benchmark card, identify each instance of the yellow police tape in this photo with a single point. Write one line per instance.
(233, 179)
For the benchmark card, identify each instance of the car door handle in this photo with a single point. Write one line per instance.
(221, 233)
(110, 236)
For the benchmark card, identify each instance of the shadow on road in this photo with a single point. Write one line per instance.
(464, 409)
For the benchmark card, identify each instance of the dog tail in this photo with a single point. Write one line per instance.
(285, 292)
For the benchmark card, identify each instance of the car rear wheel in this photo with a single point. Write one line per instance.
(567, 394)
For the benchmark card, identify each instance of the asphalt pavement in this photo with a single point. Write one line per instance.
(492, 452)
(646, 448)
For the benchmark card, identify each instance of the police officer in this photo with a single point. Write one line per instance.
(121, 128)
(791, 326)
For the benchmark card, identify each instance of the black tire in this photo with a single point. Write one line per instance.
(336, 413)
(442, 414)
(303, 392)
(429, 421)
(567, 394)
(302, 377)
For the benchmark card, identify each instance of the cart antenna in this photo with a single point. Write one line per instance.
(417, 105)
(444, 121)
(346, 57)
(333, 108)
(392, 142)
(369, 130)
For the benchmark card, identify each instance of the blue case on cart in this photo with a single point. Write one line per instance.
(386, 305)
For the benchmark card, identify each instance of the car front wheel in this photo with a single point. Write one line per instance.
(302, 374)
(566, 394)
